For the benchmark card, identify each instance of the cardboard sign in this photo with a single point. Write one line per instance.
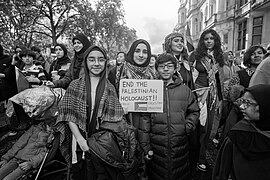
(141, 95)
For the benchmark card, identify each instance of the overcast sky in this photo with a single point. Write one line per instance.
(152, 19)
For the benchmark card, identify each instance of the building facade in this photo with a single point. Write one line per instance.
(240, 23)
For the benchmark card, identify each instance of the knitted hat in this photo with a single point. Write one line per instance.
(168, 40)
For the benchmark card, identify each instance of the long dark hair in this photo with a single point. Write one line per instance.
(201, 50)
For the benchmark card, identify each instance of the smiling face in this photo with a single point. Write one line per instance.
(59, 52)
(95, 63)
(209, 41)
(257, 56)
(77, 45)
(140, 54)
(166, 71)
(249, 107)
(177, 45)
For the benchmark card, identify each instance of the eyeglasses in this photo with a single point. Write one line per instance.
(244, 103)
(92, 60)
(169, 66)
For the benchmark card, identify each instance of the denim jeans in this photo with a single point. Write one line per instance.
(11, 170)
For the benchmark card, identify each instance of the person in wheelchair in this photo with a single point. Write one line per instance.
(28, 152)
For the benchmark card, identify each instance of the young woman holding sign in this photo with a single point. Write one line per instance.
(136, 67)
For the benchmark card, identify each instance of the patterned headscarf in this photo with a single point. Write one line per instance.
(77, 103)
(168, 40)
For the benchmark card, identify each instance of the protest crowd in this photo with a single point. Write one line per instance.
(149, 116)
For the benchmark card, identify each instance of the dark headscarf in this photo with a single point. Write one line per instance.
(254, 141)
(99, 91)
(63, 47)
(261, 94)
(57, 64)
(130, 54)
(78, 57)
(84, 40)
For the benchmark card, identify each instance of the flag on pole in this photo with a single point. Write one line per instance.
(189, 42)
(21, 80)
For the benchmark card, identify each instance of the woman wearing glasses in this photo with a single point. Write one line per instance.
(207, 64)
(245, 153)
(90, 104)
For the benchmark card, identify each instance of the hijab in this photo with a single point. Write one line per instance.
(84, 40)
(254, 140)
(78, 57)
(63, 60)
(130, 54)
(132, 70)
(261, 94)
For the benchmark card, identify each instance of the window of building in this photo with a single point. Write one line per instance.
(205, 13)
(225, 38)
(242, 31)
(196, 26)
(182, 18)
(242, 2)
(227, 5)
(257, 30)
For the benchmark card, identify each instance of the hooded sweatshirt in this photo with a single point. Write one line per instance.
(245, 153)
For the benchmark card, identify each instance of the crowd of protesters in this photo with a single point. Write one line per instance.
(99, 140)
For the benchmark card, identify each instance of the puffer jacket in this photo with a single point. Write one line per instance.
(167, 133)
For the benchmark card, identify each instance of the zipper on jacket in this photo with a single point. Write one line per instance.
(169, 129)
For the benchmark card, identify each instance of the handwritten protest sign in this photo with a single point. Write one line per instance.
(138, 95)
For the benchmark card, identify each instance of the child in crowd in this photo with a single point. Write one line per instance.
(27, 153)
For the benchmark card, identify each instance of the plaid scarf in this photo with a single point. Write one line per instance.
(74, 107)
(136, 72)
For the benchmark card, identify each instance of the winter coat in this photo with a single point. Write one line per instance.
(244, 160)
(31, 146)
(167, 133)
(113, 151)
